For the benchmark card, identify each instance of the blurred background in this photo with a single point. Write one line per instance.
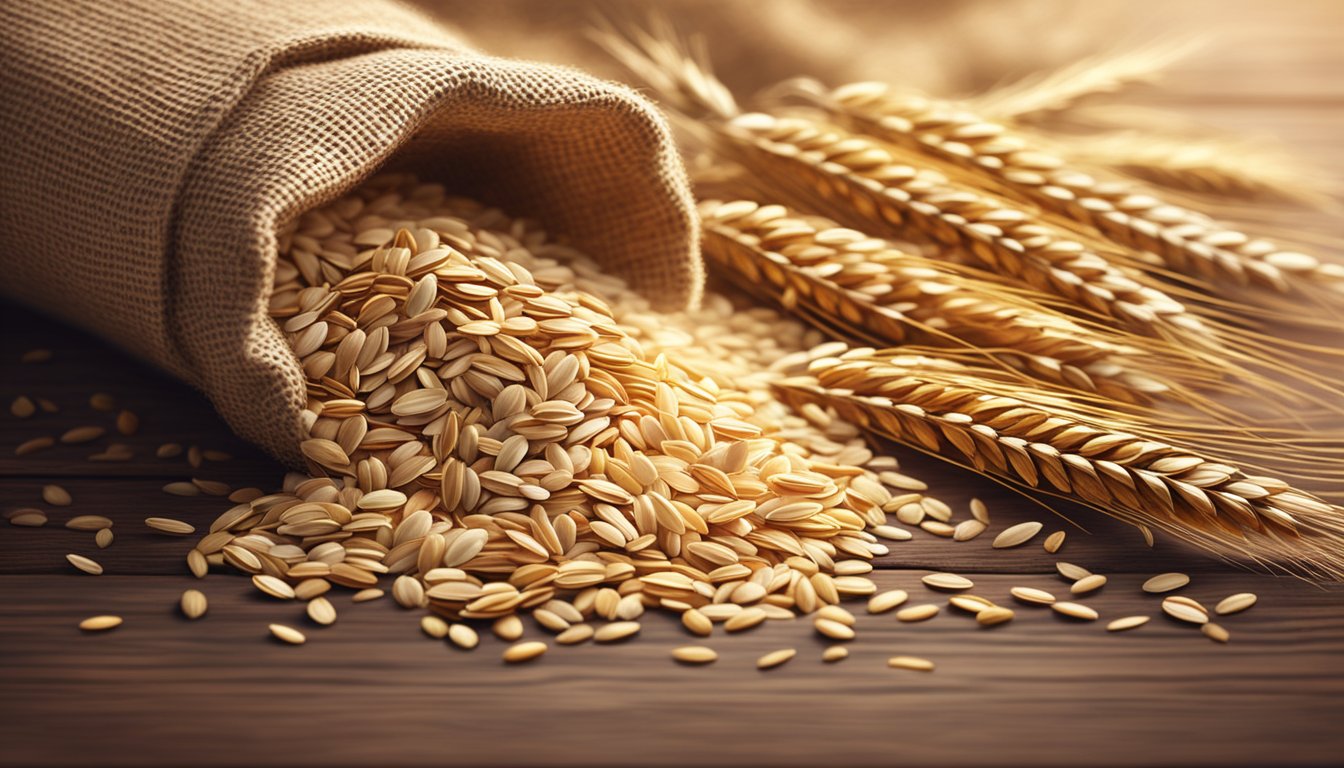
(1264, 69)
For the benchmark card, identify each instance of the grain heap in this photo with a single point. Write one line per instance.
(502, 425)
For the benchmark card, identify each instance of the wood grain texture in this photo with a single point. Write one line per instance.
(372, 690)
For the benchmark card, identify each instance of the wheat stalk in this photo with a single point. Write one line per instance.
(865, 287)
(1063, 88)
(865, 184)
(1040, 444)
(1186, 240)
(1220, 167)
(859, 182)
(810, 160)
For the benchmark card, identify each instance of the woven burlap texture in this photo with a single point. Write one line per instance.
(152, 148)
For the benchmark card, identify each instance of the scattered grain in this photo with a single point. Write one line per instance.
(22, 407)
(88, 523)
(947, 581)
(56, 496)
(910, 662)
(275, 587)
(521, 652)
(1088, 584)
(615, 631)
(193, 604)
(322, 612)
(100, 623)
(1017, 535)
(85, 564)
(835, 653)
(1032, 595)
(577, 633)
(1235, 603)
(463, 636)
(1185, 609)
(170, 526)
(775, 658)
(1165, 582)
(1075, 610)
(993, 616)
(34, 445)
(695, 654)
(1072, 572)
(29, 518)
(917, 612)
(887, 601)
(80, 435)
(1054, 542)
(1126, 623)
(287, 634)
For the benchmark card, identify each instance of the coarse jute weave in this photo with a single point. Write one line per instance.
(152, 148)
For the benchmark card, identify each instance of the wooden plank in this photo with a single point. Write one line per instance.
(373, 690)
(168, 410)
(1106, 546)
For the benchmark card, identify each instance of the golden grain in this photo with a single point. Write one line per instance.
(950, 581)
(463, 636)
(1032, 595)
(270, 585)
(917, 612)
(170, 526)
(287, 634)
(521, 652)
(100, 623)
(1017, 535)
(1185, 609)
(56, 496)
(775, 658)
(835, 653)
(85, 564)
(910, 662)
(1235, 603)
(29, 518)
(193, 604)
(1126, 623)
(887, 601)
(34, 445)
(695, 654)
(88, 523)
(1088, 584)
(321, 611)
(1075, 610)
(1165, 582)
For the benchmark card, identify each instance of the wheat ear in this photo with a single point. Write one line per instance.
(808, 160)
(1146, 482)
(866, 288)
(1186, 240)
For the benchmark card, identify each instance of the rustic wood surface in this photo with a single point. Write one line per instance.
(372, 690)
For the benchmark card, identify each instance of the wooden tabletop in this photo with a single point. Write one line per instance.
(373, 690)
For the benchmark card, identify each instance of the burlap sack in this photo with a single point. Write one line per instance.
(151, 149)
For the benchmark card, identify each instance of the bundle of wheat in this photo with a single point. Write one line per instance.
(893, 175)
(1187, 241)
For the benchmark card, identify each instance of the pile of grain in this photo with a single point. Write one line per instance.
(507, 429)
